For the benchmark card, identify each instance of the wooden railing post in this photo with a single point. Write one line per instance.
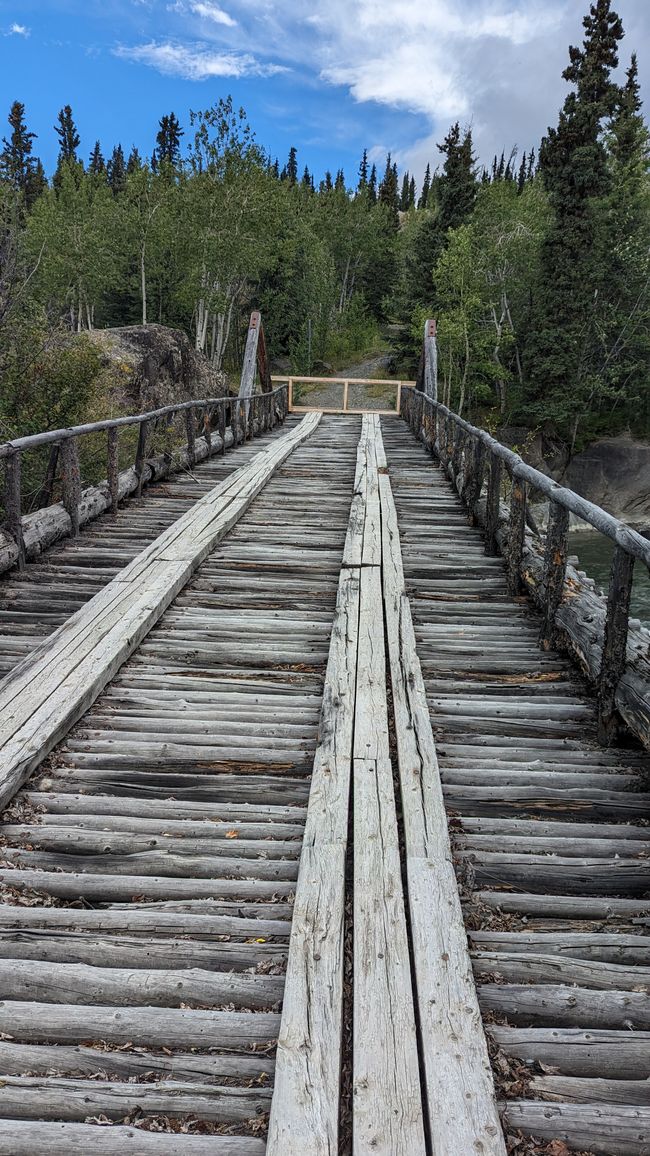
(112, 469)
(475, 479)
(555, 562)
(516, 533)
(493, 506)
(13, 503)
(71, 481)
(615, 643)
(190, 426)
(207, 430)
(222, 425)
(140, 454)
(45, 496)
(346, 385)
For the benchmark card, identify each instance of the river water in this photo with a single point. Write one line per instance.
(595, 553)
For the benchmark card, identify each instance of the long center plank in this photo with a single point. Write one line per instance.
(56, 684)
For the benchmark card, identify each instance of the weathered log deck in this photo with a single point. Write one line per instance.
(298, 743)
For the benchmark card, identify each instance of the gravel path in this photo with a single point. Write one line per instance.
(359, 396)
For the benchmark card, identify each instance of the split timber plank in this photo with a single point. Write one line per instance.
(354, 733)
(305, 1107)
(459, 1089)
(53, 687)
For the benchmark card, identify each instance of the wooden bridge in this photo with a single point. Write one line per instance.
(326, 824)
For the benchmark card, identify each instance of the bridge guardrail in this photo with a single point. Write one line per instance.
(468, 453)
(245, 416)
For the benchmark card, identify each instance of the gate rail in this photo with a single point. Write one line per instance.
(345, 382)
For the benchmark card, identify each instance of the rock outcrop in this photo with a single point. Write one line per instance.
(149, 366)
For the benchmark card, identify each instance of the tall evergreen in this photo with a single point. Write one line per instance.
(69, 139)
(404, 195)
(388, 194)
(96, 162)
(18, 167)
(116, 170)
(458, 185)
(411, 203)
(372, 185)
(339, 180)
(168, 141)
(292, 166)
(563, 350)
(426, 188)
(134, 163)
(363, 173)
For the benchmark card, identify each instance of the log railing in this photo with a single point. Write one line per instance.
(615, 656)
(209, 425)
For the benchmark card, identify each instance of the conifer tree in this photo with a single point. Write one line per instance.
(168, 141)
(339, 181)
(328, 181)
(292, 166)
(69, 139)
(372, 185)
(116, 170)
(404, 195)
(388, 194)
(134, 163)
(17, 165)
(363, 173)
(96, 163)
(457, 185)
(426, 188)
(275, 169)
(306, 178)
(411, 203)
(521, 176)
(563, 352)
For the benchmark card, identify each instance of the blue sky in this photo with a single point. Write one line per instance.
(331, 76)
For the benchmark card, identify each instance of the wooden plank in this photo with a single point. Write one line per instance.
(305, 1108)
(597, 1128)
(459, 1090)
(59, 681)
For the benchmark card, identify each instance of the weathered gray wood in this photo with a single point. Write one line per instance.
(12, 504)
(43, 1098)
(76, 983)
(112, 471)
(69, 670)
(159, 1027)
(549, 968)
(493, 505)
(305, 1108)
(69, 455)
(41, 1059)
(26, 1137)
(615, 642)
(621, 1054)
(555, 562)
(597, 1128)
(566, 1006)
(584, 1091)
(516, 532)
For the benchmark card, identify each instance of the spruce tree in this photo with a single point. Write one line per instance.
(168, 141)
(363, 173)
(411, 203)
(521, 177)
(96, 163)
(426, 188)
(292, 166)
(388, 194)
(17, 165)
(116, 170)
(457, 185)
(306, 178)
(339, 181)
(69, 139)
(404, 195)
(134, 163)
(372, 186)
(562, 353)
(329, 184)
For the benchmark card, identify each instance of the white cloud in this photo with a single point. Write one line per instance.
(195, 62)
(206, 10)
(18, 30)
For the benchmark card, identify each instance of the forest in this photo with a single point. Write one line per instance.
(536, 267)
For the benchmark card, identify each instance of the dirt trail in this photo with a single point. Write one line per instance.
(359, 396)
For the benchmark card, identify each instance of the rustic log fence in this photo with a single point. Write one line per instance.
(613, 655)
(210, 425)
